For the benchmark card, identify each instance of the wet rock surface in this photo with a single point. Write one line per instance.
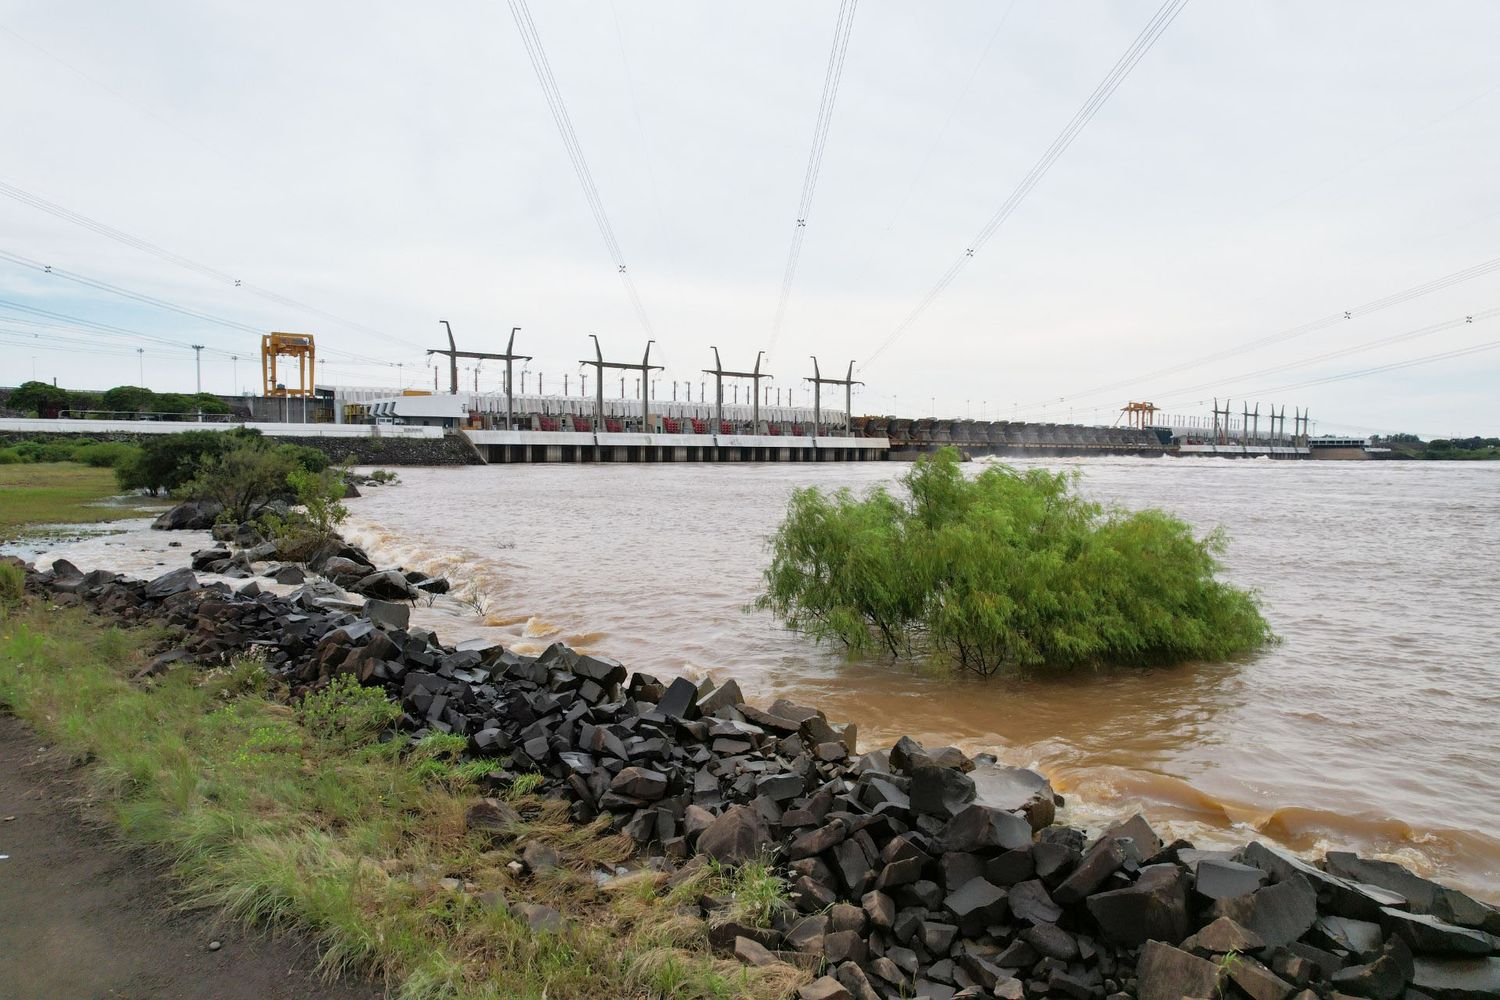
(912, 872)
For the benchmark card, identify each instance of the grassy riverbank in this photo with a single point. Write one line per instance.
(298, 817)
(56, 493)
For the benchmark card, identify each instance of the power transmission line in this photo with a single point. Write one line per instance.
(1378, 369)
(1322, 323)
(532, 40)
(911, 185)
(1122, 69)
(843, 27)
(1425, 331)
(1479, 317)
(111, 91)
(137, 297)
(145, 246)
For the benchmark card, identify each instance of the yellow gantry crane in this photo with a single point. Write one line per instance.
(287, 345)
(1140, 415)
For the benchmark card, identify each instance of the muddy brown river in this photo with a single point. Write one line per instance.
(1373, 724)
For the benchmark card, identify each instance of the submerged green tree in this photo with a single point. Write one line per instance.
(242, 479)
(1006, 570)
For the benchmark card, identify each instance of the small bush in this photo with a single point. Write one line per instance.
(1004, 571)
(166, 462)
(12, 583)
(346, 715)
(9, 456)
(242, 479)
(106, 454)
(44, 451)
(300, 531)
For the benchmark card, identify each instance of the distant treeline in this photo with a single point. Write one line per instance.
(1442, 449)
(42, 399)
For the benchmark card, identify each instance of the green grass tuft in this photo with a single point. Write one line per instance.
(294, 817)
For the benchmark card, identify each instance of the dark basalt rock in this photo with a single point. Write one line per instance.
(1279, 913)
(1168, 973)
(1427, 935)
(976, 905)
(1102, 860)
(291, 575)
(387, 614)
(1223, 936)
(940, 791)
(740, 834)
(1360, 938)
(827, 988)
(1383, 979)
(1348, 899)
(1457, 978)
(190, 515)
(177, 581)
(978, 827)
(387, 585)
(639, 783)
(1257, 981)
(1141, 842)
(1031, 903)
(680, 700)
(1422, 895)
(1216, 879)
(1016, 789)
(1154, 908)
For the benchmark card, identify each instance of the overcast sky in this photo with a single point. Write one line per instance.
(1266, 165)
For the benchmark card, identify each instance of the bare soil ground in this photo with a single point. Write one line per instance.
(86, 917)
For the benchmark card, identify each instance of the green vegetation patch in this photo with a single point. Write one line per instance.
(55, 493)
(317, 816)
(1003, 571)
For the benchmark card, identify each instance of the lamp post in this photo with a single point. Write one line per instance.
(198, 369)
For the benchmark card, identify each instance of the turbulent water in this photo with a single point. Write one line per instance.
(1373, 724)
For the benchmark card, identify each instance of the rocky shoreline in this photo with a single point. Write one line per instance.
(912, 871)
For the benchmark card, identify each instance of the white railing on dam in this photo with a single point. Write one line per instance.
(606, 439)
(67, 426)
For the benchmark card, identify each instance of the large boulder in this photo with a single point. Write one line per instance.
(1457, 978)
(1279, 913)
(1427, 935)
(979, 827)
(1336, 895)
(344, 570)
(1016, 789)
(740, 834)
(940, 791)
(1422, 895)
(190, 515)
(1168, 973)
(175, 582)
(1153, 908)
(387, 614)
(386, 585)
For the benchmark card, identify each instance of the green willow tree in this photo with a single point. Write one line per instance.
(1004, 571)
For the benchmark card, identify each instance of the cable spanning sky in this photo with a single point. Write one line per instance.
(1258, 171)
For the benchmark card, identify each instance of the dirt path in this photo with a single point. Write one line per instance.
(83, 917)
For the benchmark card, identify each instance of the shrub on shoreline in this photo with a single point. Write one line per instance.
(87, 451)
(1005, 571)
